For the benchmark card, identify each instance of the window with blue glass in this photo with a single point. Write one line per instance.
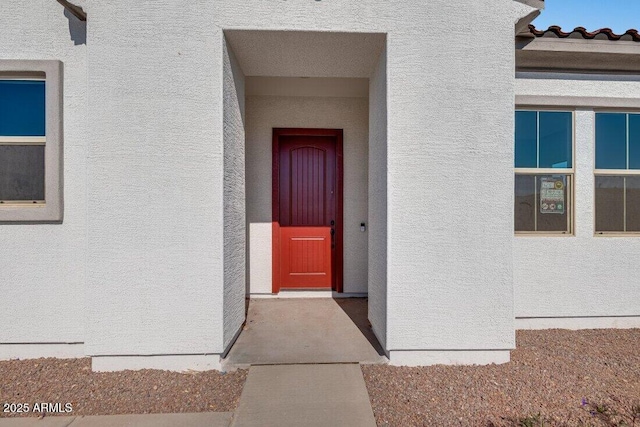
(22, 141)
(543, 171)
(617, 175)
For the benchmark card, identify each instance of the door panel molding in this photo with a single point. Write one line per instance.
(314, 243)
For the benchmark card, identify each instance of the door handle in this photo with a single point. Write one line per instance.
(333, 242)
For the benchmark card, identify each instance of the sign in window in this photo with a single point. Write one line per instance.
(544, 172)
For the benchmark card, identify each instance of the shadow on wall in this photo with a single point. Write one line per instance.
(77, 29)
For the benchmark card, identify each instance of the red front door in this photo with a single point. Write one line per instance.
(308, 201)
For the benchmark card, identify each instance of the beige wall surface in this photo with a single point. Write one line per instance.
(263, 113)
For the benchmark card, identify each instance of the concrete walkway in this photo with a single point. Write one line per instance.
(305, 330)
(305, 395)
(331, 395)
(303, 357)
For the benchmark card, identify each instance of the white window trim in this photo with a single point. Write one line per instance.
(554, 171)
(51, 211)
(613, 172)
(23, 140)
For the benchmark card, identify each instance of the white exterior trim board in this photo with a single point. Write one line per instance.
(554, 44)
(448, 357)
(179, 363)
(576, 323)
(38, 350)
(590, 102)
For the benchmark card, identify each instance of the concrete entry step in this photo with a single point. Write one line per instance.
(305, 395)
(305, 330)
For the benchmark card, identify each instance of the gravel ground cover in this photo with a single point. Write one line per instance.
(555, 378)
(126, 392)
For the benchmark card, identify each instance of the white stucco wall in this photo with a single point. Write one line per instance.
(42, 266)
(571, 85)
(267, 112)
(377, 179)
(155, 260)
(450, 113)
(234, 197)
(582, 275)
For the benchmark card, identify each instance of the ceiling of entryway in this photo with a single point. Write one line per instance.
(307, 86)
(305, 54)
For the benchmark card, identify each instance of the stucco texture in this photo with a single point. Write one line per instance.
(234, 197)
(150, 233)
(42, 266)
(267, 112)
(450, 121)
(450, 114)
(584, 275)
(155, 168)
(377, 255)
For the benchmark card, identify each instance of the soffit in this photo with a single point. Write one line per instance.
(305, 54)
(307, 86)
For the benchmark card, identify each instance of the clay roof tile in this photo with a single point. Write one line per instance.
(581, 32)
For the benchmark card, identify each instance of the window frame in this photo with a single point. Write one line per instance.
(570, 172)
(51, 210)
(623, 173)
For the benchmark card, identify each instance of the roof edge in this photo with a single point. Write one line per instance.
(581, 32)
(525, 22)
(576, 55)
